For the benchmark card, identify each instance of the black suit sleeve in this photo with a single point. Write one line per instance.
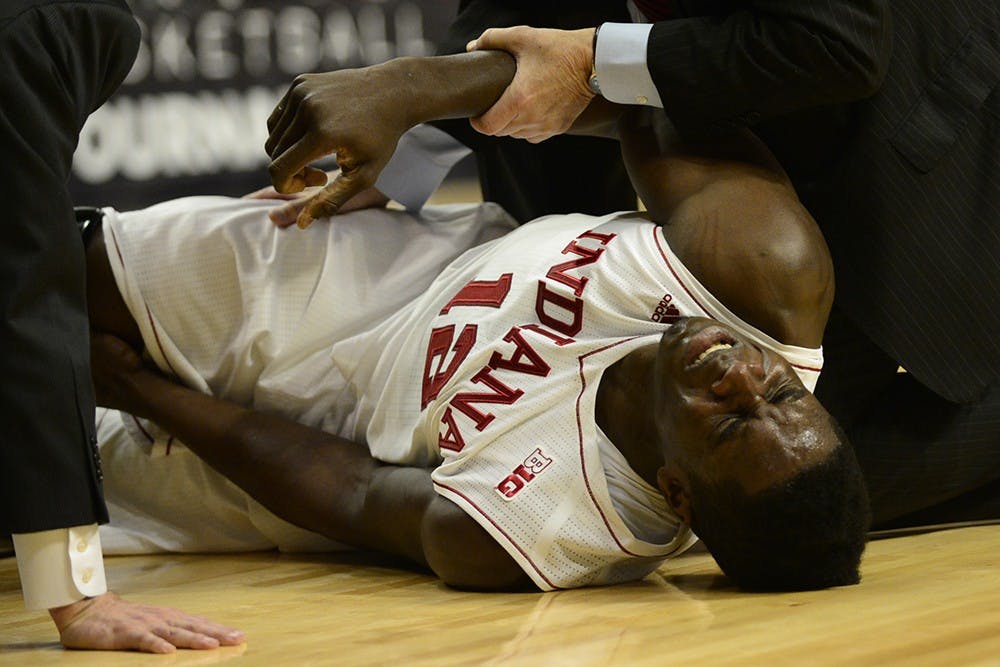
(58, 62)
(475, 16)
(755, 60)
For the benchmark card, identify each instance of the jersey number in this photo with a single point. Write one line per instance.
(485, 293)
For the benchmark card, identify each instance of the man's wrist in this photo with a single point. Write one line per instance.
(62, 614)
(403, 78)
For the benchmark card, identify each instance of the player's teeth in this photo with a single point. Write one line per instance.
(713, 348)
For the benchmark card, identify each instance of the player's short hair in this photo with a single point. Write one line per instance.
(807, 532)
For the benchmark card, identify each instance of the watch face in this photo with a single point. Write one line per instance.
(593, 83)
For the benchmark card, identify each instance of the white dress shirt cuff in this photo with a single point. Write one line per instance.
(60, 566)
(423, 157)
(620, 61)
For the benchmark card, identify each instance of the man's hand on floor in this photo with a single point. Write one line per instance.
(107, 622)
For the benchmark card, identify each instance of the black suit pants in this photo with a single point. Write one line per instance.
(926, 459)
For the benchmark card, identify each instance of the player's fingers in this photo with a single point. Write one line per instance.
(281, 106)
(297, 129)
(313, 177)
(276, 130)
(286, 214)
(288, 170)
(307, 177)
(269, 193)
(323, 205)
(368, 198)
(272, 121)
(283, 114)
(329, 200)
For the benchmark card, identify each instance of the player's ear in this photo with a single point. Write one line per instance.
(675, 487)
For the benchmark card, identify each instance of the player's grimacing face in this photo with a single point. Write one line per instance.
(732, 410)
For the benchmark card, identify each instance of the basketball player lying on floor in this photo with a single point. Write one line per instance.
(562, 404)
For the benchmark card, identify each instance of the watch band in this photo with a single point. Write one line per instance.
(595, 85)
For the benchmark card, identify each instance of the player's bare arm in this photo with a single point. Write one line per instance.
(733, 217)
(360, 114)
(730, 211)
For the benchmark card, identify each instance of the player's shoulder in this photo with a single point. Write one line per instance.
(753, 244)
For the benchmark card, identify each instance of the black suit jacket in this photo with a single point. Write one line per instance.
(909, 197)
(58, 62)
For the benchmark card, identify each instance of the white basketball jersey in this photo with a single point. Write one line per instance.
(486, 368)
(508, 347)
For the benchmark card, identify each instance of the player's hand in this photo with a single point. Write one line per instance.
(286, 214)
(353, 113)
(550, 86)
(107, 622)
(112, 363)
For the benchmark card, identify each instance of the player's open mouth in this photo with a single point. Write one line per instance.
(714, 348)
(707, 343)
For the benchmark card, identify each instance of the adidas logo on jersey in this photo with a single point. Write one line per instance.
(523, 474)
(666, 311)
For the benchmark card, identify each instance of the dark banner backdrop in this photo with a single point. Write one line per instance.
(191, 116)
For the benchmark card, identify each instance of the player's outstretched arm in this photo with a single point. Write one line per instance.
(309, 477)
(359, 114)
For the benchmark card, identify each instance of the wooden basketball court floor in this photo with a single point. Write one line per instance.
(926, 599)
